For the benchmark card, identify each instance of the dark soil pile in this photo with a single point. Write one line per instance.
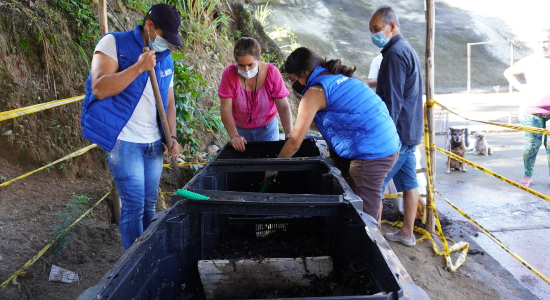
(290, 240)
(286, 240)
(337, 283)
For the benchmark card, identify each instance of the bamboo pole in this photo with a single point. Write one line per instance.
(510, 88)
(430, 44)
(102, 7)
(103, 29)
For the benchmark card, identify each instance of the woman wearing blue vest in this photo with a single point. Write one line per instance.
(352, 119)
(119, 112)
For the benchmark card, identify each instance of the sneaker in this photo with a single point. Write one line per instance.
(527, 183)
(405, 240)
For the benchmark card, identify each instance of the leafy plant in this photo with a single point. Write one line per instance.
(83, 16)
(200, 18)
(189, 88)
(48, 169)
(72, 210)
(285, 35)
(272, 58)
(262, 13)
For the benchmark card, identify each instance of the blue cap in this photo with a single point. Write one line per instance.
(169, 20)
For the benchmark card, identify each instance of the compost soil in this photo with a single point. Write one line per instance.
(298, 240)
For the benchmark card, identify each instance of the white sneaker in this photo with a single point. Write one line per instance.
(405, 240)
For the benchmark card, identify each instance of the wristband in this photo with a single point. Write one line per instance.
(175, 137)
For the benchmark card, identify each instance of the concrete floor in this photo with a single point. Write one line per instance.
(515, 217)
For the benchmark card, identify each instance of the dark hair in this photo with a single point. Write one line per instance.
(247, 45)
(387, 15)
(148, 18)
(303, 59)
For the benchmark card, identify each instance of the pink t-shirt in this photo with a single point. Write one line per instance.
(261, 106)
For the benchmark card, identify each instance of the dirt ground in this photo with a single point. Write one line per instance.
(479, 277)
(34, 206)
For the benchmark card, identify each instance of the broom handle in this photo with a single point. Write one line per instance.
(164, 121)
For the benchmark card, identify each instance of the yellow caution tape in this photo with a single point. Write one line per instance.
(21, 271)
(391, 196)
(185, 164)
(429, 148)
(482, 169)
(456, 247)
(10, 114)
(517, 127)
(498, 242)
(74, 154)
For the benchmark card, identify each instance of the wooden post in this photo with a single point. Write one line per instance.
(510, 88)
(468, 59)
(103, 27)
(430, 44)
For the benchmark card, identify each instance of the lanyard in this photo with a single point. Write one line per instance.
(250, 104)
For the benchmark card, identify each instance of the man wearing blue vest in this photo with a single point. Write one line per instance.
(399, 85)
(120, 115)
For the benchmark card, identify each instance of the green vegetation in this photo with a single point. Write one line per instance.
(189, 88)
(73, 210)
(83, 17)
(262, 12)
(200, 18)
(280, 34)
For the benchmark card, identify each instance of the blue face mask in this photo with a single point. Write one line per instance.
(379, 39)
(159, 45)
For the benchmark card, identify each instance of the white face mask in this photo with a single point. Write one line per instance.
(251, 73)
(159, 45)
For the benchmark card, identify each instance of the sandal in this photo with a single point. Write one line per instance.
(526, 183)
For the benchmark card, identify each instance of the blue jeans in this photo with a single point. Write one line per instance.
(136, 170)
(269, 132)
(404, 170)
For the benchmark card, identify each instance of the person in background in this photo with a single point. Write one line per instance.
(119, 112)
(400, 87)
(251, 94)
(534, 110)
(372, 78)
(352, 119)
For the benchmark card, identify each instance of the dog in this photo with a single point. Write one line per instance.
(481, 145)
(457, 147)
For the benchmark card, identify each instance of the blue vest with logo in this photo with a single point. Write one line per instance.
(356, 123)
(103, 120)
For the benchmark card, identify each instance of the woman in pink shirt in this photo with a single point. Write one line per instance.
(252, 93)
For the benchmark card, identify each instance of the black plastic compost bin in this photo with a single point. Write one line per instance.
(309, 148)
(305, 177)
(162, 264)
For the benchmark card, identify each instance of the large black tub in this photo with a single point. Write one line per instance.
(164, 262)
(306, 177)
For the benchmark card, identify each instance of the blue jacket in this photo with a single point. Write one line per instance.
(103, 120)
(356, 123)
(400, 87)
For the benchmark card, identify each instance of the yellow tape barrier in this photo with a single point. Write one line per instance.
(6, 115)
(517, 127)
(74, 154)
(497, 241)
(184, 164)
(391, 196)
(464, 246)
(21, 271)
(431, 205)
(482, 169)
